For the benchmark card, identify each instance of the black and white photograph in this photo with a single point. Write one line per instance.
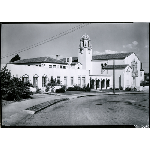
(81, 74)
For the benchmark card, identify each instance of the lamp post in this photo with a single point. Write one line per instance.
(114, 76)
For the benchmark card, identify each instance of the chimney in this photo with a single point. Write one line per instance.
(57, 57)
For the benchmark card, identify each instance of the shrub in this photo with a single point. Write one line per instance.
(121, 88)
(143, 83)
(61, 90)
(47, 88)
(78, 88)
(38, 90)
(133, 89)
(13, 88)
(127, 89)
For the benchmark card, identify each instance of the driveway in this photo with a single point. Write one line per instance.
(103, 109)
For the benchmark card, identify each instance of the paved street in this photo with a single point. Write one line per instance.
(103, 109)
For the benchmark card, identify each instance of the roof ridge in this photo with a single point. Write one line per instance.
(113, 54)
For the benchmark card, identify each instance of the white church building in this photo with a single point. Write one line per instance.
(97, 71)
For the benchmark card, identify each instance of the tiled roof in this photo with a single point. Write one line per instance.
(63, 59)
(39, 60)
(111, 56)
(116, 67)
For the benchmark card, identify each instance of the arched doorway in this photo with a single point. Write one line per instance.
(107, 83)
(97, 83)
(102, 83)
(92, 83)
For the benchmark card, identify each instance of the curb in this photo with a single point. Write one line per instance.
(34, 109)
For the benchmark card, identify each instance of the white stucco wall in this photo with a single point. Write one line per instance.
(96, 67)
(118, 73)
(85, 58)
(128, 60)
(117, 62)
(20, 70)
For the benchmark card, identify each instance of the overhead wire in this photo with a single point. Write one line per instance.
(48, 39)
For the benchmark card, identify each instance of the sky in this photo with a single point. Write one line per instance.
(105, 38)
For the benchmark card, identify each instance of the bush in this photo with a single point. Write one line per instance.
(127, 89)
(121, 88)
(143, 83)
(61, 90)
(47, 88)
(38, 90)
(133, 89)
(78, 88)
(13, 88)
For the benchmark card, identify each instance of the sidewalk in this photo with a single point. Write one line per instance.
(14, 112)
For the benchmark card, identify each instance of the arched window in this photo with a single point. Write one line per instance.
(44, 78)
(35, 80)
(25, 78)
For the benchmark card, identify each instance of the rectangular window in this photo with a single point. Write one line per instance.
(60, 66)
(35, 81)
(67, 59)
(65, 80)
(54, 66)
(71, 80)
(64, 67)
(50, 66)
(79, 81)
(43, 81)
(58, 79)
(83, 81)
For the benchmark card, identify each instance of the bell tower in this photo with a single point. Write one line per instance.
(85, 52)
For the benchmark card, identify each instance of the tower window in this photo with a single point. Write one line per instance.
(67, 59)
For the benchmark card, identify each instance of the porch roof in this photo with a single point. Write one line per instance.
(116, 67)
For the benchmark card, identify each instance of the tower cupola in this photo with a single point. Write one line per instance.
(85, 43)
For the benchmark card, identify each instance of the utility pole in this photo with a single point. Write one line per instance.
(114, 76)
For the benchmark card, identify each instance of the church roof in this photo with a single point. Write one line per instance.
(39, 60)
(116, 67)
(111, 56)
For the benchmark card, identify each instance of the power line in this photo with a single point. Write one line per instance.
(48, 39)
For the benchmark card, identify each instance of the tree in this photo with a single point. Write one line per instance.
(17, 57)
